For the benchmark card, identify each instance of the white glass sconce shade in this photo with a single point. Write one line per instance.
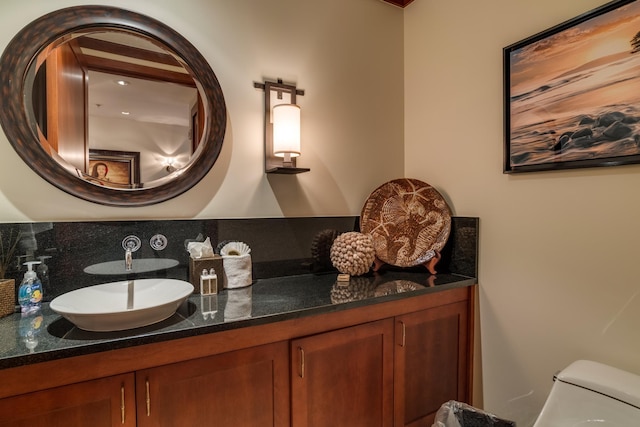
(286, 130)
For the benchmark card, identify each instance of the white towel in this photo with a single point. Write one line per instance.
(238, 270)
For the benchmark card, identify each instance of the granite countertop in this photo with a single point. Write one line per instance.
(266, 301)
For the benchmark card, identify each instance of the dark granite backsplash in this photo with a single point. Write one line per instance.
(279, 246)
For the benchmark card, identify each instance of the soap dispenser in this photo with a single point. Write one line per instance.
(30, 291)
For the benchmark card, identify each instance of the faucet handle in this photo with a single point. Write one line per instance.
(131, 243)
(158, 242)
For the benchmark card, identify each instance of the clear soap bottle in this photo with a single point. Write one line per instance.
(30, 291)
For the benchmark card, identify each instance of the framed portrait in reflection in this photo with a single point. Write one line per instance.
(572, 93)
(117, 169)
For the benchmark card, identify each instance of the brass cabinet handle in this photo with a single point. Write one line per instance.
(404, 334)
(148, 397)
(122, 403)
(301, 362)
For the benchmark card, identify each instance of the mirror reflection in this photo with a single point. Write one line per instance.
(116, 108)
(47, 76)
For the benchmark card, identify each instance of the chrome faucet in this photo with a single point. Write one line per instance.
(130, 244)
(128, 260)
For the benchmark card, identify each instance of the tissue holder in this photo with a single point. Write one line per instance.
(196, 265)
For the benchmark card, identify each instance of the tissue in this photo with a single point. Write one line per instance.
(200, 249)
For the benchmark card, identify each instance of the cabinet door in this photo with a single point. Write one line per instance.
(344, 377)
(106, 402)
(432, 362)
(245, 388)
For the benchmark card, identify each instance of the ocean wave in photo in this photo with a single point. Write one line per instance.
(575, 94)
(588, 114)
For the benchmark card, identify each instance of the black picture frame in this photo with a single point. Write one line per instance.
(572, 93)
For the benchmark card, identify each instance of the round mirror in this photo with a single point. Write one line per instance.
(111, 106)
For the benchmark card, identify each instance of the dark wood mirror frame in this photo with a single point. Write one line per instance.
(15, 117)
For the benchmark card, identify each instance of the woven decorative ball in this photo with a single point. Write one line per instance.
(353, 253)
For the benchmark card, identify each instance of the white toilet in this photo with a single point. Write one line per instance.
(589, 394)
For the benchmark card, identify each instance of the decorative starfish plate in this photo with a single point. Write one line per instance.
(409, 220)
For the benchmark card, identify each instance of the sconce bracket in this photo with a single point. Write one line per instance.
(273, 164)
(283, 170)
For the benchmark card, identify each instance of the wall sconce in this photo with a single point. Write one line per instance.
(281, 127)
(170, 163)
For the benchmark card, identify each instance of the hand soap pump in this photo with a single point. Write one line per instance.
(30, 291)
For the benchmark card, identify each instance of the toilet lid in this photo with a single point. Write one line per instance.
(603, 379)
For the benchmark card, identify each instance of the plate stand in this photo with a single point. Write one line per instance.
(429, 265)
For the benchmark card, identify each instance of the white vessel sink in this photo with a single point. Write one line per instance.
(142, 265)
(122, 305)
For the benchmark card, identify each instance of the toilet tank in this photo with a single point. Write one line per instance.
(589, 393)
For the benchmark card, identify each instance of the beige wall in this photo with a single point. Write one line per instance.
(346, 55)
(558, 250)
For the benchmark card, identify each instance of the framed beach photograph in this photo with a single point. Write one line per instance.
(572, 93)
(117, 169)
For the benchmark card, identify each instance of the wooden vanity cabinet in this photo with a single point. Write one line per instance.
(344, 377)
(388, 364)
(371, 375)
(432, 362)
(246, 388)
(105, 402)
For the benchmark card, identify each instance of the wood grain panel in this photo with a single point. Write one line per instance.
(432, 366)
(242, 388)
(96, 403)
(67, 106)
(344, 377)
